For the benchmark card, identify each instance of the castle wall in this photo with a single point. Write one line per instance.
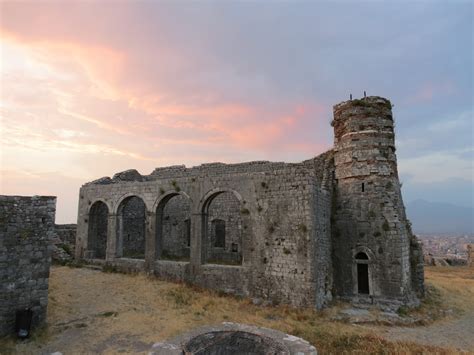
(369, 216)
(293, 232)
(26, 232)
(269, 210)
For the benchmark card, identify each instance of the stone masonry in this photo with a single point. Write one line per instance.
(26, 231)
(64, 243)
(296, 233)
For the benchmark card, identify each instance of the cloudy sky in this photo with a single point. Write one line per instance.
(90, 88)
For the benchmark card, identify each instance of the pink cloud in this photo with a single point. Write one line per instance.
(430, 91)
(86, 105)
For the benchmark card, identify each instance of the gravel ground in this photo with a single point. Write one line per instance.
(455, 333)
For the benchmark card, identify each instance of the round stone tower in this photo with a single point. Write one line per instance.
(372, 240)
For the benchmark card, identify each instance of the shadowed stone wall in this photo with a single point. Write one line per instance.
(64, 243)
(26, 232)
(97, 233)
(176, 219)
(271, 202)
(132, 216)
(225, 207)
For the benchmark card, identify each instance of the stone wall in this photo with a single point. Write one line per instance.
(176, 229)
(417, 264)
(132, 221)
(26, 230)
(97, 233)
(64, 243)
(271, 229)
(226, 209)
(294, 233)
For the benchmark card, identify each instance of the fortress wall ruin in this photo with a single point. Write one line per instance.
(331, 226)
(275, 247)
(26, 231)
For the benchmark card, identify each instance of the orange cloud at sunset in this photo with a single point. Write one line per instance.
(74, 110)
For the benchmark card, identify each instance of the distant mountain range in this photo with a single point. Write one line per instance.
(440, 218)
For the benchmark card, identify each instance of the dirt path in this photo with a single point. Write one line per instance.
(455, 333)
(456, 288)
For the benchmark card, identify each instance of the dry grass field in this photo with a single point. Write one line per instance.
(96, 312)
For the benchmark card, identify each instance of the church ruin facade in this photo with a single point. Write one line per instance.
(296, 233)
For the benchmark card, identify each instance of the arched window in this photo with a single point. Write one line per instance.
(97, 230)
(187, 230)
(222, 232)
(173, 228)
(131, 228)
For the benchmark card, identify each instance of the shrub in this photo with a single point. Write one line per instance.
(66, 248)
(358, 102)
(181, 296)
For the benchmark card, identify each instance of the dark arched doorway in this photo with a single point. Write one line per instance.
(362, 263)
(97, 230)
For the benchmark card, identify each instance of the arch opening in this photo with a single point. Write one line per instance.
(361, 256)
(131, 216)
(362, 265)
(222, 229)
(173, 228)
(97, 230)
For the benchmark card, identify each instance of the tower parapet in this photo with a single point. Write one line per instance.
(371, 235)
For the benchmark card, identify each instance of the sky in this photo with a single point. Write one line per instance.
(91, 88)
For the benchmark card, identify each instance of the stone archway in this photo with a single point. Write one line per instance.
(173, 227)
(97, 230)
(131, 222)
(222, 227)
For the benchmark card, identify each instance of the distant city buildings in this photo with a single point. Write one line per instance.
(445, 246)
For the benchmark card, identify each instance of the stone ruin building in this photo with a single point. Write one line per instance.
(26, 230)
(295, 233)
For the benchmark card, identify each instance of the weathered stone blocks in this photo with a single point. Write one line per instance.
(290, 232)
(26, 232)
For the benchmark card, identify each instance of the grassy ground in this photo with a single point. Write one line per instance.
(95, 312)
